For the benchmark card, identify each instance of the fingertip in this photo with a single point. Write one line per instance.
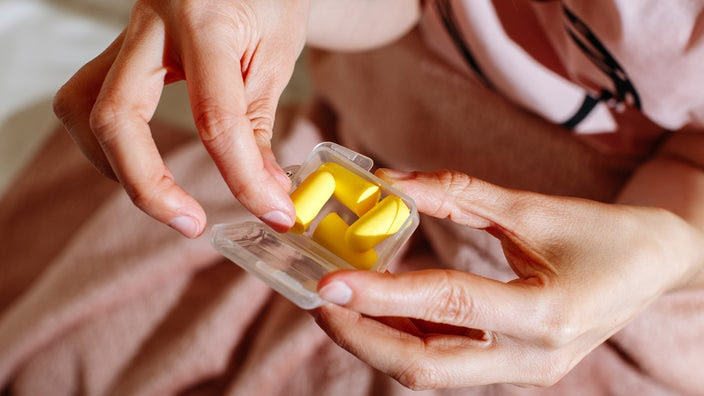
(186, 225)
(394, 175)
(341, 275)
(190, 219)
(336, 292)
(264, 197)
(278, 220)
(350, 287)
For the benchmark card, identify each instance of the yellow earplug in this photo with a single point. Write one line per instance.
(330, 233)
(310, 197)
(380, 222)
(356, 193)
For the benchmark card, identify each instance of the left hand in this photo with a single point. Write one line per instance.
(584, 270)
(236, 57)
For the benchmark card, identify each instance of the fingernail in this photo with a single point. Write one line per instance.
(186, 225)
(336, 292)
(277, 218)
(394, 174)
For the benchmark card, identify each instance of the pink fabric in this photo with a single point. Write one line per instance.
(99, 299)
(526, 52)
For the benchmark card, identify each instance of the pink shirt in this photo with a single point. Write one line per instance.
(588, 65)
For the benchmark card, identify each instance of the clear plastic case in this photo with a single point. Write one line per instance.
(292, 264)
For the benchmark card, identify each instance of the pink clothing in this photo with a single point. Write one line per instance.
(97, 298)
(580, 63)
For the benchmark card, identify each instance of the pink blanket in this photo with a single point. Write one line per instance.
(96, 298)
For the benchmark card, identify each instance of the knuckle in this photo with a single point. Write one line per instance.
(245, 194)
(103, 119)
(140, 8)
(556, 324)
(145, 195)
(456, 183)
(189, 13)
(72, 100)
(263, 137)
(453, 304)
(418, 376)
(66, 109)
(555, 367)
(261, 115)
(336, 324)
(456, 188)
(523, 207)
(559, 333)
(63, 105)
(139, 195)
(214, 124)
(199, 19)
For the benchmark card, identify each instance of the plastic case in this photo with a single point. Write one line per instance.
(294, 264)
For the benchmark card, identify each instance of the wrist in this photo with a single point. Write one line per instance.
(697, 261)
(680, 248)
(695, 278)
(673, 180)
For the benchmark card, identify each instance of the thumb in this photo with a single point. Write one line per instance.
(438, 296)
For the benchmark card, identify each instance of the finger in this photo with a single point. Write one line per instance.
(418, 362)
(457, 196)
(119, 120)
(402, 324)
(448, 297)
(266, 87)
(535, 227)
(272, 166)
(74, 102)
(521, 215)
(220, 108)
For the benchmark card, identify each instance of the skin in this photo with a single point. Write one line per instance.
(236, 58)
(584, 269)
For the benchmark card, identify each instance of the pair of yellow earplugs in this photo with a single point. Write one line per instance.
(377, 219)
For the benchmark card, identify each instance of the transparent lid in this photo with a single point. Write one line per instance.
(292, 264)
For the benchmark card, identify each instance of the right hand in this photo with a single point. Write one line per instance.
(236, 57)
(584, 270)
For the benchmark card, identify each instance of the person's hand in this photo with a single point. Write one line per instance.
(236, 57)
(584, 269)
